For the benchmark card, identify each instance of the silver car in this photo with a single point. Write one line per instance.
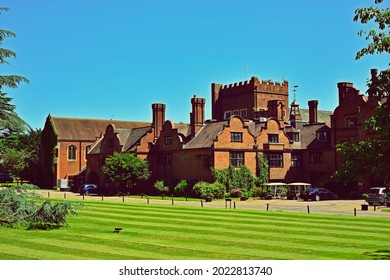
(377, 196)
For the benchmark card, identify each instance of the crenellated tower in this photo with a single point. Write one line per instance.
(247, 98)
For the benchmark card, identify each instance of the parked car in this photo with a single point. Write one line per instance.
(5, 178)
(377, 195)
(317, 194)
(87, 189)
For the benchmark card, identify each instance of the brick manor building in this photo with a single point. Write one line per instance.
(248, 117)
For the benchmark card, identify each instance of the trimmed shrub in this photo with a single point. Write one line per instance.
(214, 190)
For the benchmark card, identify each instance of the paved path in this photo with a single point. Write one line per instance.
(340, 207)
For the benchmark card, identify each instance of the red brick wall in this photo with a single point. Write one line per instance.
(247, 95)
(65, 167)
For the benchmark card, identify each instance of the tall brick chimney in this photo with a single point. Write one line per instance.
(313, 114)
(158, 111)
(346, 89)
(197, 115)
(276, 109)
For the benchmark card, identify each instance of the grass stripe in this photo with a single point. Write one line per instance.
(180, 232)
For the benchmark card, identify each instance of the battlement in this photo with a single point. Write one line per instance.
(254, 84)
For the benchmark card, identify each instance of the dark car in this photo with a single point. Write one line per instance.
(87, 189)
(5, 178)
(317, 194)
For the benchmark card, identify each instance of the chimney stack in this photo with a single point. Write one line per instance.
(197, 115)
(158, 118)
(313, 115)
(276, 109)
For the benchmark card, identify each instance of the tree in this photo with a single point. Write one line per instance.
(19, 206)
(161, 188)
(19, 153)
(262, 170)
(181, 188)
(372, 158)
(125, 168)
(10, 81)
(14, 161)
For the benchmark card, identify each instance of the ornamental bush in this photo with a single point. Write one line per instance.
(20, 206)
(214, 190)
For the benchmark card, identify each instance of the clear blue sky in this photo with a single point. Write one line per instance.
(104, 59)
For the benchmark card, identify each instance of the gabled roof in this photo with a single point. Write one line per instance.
(128, 139)
(206, 135)
(134, 137)
(309, 136)
(87, 129)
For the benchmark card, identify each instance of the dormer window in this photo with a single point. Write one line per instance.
(294, 136)
(322, 135)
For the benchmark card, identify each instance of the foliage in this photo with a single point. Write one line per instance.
(19, 206)
(245, 178)
(257, 191)
(181, 188)
(372, 157)
(364, 196)
(10, 122)
(380, 40)
(20, 154)
(214, 190)
(14, 161)
(160, 186)
(262, 170)
(235, 178)
(125, 168)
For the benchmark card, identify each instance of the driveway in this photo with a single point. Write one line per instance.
(339, 207)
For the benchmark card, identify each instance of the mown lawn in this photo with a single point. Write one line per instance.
(175, 232)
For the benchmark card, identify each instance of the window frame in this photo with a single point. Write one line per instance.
(87, 149)
(236, 137)
(271, 137)
(237, 159)
(227, 115)
(168, 140)
(72, 152)
(295, 160)
(275, 160)
(316, 157)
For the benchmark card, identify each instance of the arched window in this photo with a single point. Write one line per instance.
(72, 152)
(87, 149)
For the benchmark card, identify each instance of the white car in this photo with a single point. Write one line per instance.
(377, 196)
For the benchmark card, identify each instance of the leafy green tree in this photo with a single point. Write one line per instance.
(24, 148)
(181, 188)
(372, 158)
(161, 187)
(262, 170)
(126, 169)
(14, 161)
(9, 81)
(245, 178)
(19, 206)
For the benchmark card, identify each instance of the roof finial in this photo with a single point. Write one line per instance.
(295, 90)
